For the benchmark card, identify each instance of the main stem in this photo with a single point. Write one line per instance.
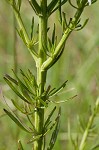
(41, 75)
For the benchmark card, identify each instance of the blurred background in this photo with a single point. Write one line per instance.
(79, 65)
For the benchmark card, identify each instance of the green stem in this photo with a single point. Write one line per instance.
(41, 75)
(65, 36)
(89, 125)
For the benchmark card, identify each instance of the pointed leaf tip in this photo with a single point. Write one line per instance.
(17, 121)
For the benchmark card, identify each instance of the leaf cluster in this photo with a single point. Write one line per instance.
(27, 90)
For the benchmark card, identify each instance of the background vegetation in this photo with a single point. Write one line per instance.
(79, 64)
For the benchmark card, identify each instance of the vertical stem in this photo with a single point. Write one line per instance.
(41, 75)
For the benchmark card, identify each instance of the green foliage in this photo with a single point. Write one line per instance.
(34, 97)
(55, 132)
(17, 121)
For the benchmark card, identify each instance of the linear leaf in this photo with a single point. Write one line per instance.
(22, 84)
(62, 3)
(60, 12)
(44, 103)
(32, 27)
(15, 90)
(23, 36)
(27, 82)
(86, 21)
(53, 34)
(24, 89)
(51, 5)
(63, 101)
(32, 79)
(36, 6)
(18, 107)
(11, 79)
(49, 117)
(55, 132)
(58, 90)
(17, 121)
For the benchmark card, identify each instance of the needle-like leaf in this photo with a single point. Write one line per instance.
(17, 121)
(49, 117)
(55, 132)
(15, 90)
(58, 90)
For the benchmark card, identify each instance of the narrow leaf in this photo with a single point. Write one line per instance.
(57, 7)
(32, 28)
(23, 37)
(49, 45)
(17, 106)
(58, 90)
(64, 21)
(53, 35)
(58, 102)
(15, 90)
(17, 121)
(36, 6)
(49, 117)
(22, 84)
(60, 13)
(44, 103)
(86, 21)
(51, 6)
(32, 79)
(11, 79)
(27, 82)
(55, 132)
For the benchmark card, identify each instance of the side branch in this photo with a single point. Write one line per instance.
(49, 62)
(25, 34)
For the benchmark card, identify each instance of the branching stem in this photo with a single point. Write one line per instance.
(65, 36)
(41, 75)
